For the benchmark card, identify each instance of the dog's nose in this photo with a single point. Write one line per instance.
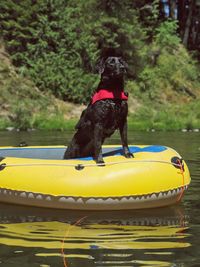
(120, 65)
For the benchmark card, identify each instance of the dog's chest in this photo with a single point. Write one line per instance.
(110, 106)
(116, 109)
(110, 113)
(115, 116)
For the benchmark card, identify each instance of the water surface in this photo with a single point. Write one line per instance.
(157, 237)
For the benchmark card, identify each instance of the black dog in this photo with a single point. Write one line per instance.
(106, 112)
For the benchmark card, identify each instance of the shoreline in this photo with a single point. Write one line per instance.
(134, 125)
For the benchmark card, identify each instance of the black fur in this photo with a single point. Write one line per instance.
(99, 120)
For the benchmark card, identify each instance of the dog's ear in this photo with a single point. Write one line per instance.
(100, 66)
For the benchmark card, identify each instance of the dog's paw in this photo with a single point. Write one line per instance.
(129, 155)
(100, 163)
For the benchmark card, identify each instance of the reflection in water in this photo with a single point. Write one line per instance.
(84, 239)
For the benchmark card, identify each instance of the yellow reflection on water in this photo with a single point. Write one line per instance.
(50, 234)
(145, 239)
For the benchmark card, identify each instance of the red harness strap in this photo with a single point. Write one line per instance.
(106, 94)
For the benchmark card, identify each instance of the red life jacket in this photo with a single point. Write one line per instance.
(107, 94)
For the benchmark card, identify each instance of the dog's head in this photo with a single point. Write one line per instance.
(112, 66)
(111, 63)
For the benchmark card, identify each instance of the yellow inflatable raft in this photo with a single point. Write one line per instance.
(38, 176)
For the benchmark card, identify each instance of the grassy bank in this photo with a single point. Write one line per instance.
(167, 117)
(165, 120)
(23, 106)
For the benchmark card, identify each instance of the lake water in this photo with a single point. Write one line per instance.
(32, 237)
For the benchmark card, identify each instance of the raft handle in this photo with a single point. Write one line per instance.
(177, 162)
(79, 167)
(2, 166)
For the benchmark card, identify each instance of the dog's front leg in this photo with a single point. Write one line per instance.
(98, 133)
(124, 139)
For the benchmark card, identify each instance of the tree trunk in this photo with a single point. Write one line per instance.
(194, 43)
(181, 16)
(188, 23)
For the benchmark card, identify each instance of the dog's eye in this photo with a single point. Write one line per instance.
(111, 61)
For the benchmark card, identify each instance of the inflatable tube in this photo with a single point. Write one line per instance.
(38, 176)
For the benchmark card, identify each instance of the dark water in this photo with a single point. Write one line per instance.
(157, 237)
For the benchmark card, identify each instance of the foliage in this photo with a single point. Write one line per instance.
(172, 69)
(56, 45)
(20, 100)
(57, 42)
(51, 43)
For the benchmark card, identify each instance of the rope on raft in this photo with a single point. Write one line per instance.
(81, 166)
